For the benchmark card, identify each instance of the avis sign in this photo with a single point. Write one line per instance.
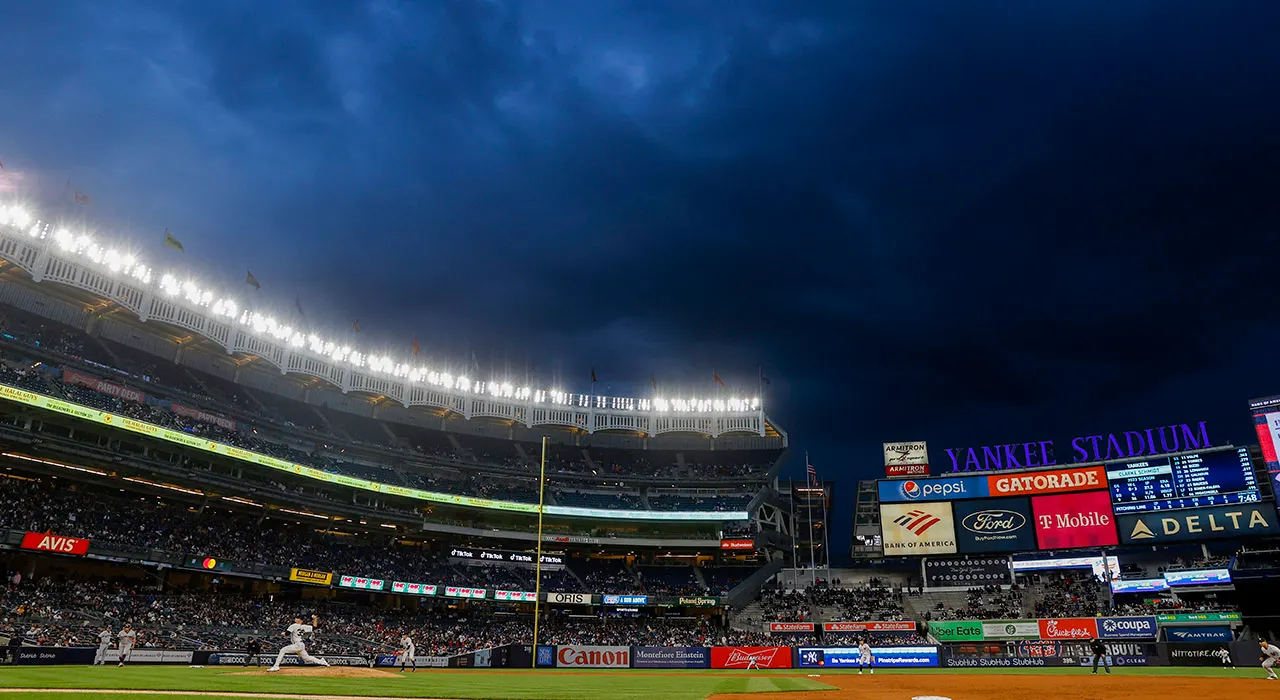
(58, 544)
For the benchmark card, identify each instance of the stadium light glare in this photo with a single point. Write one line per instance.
(37, 230)
(64, 240)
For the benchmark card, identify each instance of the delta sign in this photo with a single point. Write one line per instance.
(1084, 448)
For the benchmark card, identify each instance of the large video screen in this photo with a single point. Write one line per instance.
(1191, 480)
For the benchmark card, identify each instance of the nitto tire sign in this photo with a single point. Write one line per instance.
(1194, 654)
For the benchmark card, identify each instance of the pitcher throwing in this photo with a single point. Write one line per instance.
(296, 632)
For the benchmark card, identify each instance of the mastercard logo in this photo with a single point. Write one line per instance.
(209, 563)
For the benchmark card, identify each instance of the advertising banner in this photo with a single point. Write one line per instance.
(464, 592)
(414, 588)
(1139, 585)
(1185, 618)
(698, 601)
(626, 600)
(884, 657)
(738, 545)
(390, 660)
(1046, 482)
(516, 596)
(750, 657)
(58, 544)
(316, 578)
(1074, 520)
(569, 598)
(1199, 654)
(1069, 628)
(994, 525)
(789, 627)
(941, 489)
(887, 626)
(238, 659)
(208, 564)
(902, 471)
(1199, 634)
(202, 416)
(48, 656)
(906, 459)
(956, 631)
(670, 657)
(1199, 577)
(958, 572)
(573, 656)
(1238, 520)
(150, 656)
(506, 555)
(1127, 628)
(911, 529)
(363, 583)
(70, 376)
(1011, 629)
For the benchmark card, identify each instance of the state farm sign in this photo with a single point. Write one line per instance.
(1070, 628)
(750, 657)
(593, 657)
(891, 626)
(790, 626)
(1056, 481)
(48, 542)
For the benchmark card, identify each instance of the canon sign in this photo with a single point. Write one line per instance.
(593, 657)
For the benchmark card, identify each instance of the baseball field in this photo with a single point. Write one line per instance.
(173, 683)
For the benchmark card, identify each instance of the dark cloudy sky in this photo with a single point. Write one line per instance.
(966, 222)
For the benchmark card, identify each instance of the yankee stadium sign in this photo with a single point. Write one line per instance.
(1084, 448)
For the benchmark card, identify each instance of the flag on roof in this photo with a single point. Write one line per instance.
(764, 379)
(172, 242)
(416, 348)
(356, 325)
(593, 375)
(82, 198)
(716, 378)
(812, 473)
(252, 281)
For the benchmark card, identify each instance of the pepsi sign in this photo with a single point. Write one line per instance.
(946, 489)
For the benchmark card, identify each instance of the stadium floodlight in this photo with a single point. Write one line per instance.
(64, 239)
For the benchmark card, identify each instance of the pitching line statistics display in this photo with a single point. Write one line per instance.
(1190, 480)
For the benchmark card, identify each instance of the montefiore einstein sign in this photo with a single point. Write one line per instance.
(1084, 448)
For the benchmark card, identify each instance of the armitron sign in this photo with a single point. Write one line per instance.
(58, 544)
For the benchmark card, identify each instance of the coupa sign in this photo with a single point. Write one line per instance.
(1084, 448)
(1127, 628)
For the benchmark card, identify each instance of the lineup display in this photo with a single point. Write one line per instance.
(1190, 480)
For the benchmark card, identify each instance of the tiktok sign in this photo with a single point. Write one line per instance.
(1073, 520)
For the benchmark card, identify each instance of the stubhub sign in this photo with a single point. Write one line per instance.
(933, 489)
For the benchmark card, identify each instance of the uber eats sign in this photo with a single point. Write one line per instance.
(956, 631)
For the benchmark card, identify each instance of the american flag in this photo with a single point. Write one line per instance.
(813, 474)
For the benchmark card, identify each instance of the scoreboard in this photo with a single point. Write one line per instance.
(1186, 480)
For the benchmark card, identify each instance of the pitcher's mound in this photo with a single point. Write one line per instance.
(322, 672)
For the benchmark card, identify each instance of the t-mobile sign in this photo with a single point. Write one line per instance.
(1074, 520)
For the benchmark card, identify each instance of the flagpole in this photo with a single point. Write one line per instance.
(826, 528)
(813, 569)
(794, 564)
(537, 576)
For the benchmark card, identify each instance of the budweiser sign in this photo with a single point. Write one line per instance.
(49, 542)
(737, 544)
(1069, 628)
(750, 657)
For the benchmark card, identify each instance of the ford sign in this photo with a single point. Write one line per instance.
(993, 522)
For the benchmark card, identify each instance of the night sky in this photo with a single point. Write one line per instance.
(965, 223)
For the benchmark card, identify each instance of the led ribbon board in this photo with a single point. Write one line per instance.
(28, 398)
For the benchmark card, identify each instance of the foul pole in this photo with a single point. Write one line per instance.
(537, 566)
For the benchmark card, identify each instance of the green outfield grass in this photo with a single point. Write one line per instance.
(490, 684)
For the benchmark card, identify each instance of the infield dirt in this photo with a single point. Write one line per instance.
(1017, 687)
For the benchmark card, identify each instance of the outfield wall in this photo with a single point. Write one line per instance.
(979, 654)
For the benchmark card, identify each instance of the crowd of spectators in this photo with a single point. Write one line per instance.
(310, 440)
(983, 603)
(859, 603)
(1073, 594)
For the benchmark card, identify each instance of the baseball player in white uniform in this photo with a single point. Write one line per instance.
(295, 634)
(104, 643)
(1224, 654)
(126, 639)
(864, 657)
(1270, 653)
(407, 653)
